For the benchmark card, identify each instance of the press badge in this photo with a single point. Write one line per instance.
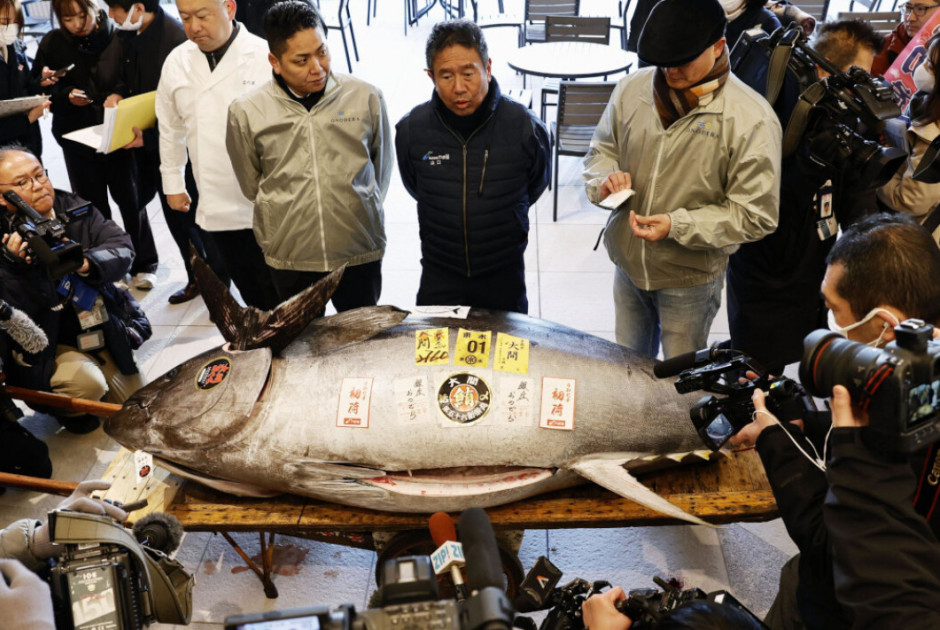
(94, 316)
(826, 225)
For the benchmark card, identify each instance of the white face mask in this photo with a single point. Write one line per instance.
(924, 79)
(834, 327)
(8, 34)
(127, 25)
(733, 8)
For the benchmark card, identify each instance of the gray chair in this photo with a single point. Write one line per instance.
(37, 15)
(537, 11)
(817, 8)
(501, 19)
(580, 107)
(558, 28)
(882, 21)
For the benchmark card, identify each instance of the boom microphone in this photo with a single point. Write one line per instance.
(680, 363)
(22, 329)
(449, 555)
(487, 608)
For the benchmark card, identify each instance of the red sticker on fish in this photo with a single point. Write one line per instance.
(213, 373)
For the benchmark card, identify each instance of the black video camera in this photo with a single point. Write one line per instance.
(824, 119)
(45, 238)
(899, 385)
(109, 577)
(718, 370)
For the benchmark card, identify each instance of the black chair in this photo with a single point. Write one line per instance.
(559, 28)
(580, 107)
(343, 21)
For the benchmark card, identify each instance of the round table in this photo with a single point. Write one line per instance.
(570, 60)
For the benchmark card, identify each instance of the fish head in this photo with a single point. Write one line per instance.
(195, 406)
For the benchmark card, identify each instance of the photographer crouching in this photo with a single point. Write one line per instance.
(57, 266)
(882, 271)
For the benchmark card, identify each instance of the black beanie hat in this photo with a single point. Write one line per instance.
(678, 31)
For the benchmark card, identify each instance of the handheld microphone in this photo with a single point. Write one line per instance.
(537, 586)
(159, 531)
(680, 363)
(487, 608)
(22, 329)
(449, 554)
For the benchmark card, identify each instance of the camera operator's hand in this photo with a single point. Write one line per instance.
(652, 228)
(615, 182)
(16, 246)
(25, 601)
(843, 414)
(79, 501)
(747, 437)
(179, 202)
(600, 614)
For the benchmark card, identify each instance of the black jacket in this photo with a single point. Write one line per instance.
(16, 81)
(887, 558)
(27, 287)
(97, 60)
(474, 196)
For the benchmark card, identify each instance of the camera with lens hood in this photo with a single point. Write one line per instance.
(898, 386)
(45, 237)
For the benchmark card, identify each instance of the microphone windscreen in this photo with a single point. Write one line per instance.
(442, 528)
(24, 330)
(159, 531)
(480, 550)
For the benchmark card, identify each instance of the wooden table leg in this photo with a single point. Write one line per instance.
(270, 590)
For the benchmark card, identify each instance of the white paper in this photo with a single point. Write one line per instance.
(12, 106)
(89, 136)
(616, 199)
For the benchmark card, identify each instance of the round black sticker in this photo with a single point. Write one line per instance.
(464, 398)
(213, 373)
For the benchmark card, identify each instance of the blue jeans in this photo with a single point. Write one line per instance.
(680, 317)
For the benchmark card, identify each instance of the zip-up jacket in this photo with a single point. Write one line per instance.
(474, 195)
(715, 172)
(318, 178)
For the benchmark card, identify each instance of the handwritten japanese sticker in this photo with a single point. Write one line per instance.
(557, 408)
(473, 348)
(413, 400)
(354, 400)
(516, 400)
(432, 346)
(512, 354)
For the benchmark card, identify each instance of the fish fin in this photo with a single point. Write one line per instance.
(328, 334)
(236, 488)
(610, 473)
(246, 328)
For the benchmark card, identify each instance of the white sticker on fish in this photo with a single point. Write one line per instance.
(354, 400)
(516, 400)
(414, 400)
(557, 408)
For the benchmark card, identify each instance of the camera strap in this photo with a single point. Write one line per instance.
(800, 117)
(928, 486)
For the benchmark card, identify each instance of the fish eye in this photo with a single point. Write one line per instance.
(169, 376)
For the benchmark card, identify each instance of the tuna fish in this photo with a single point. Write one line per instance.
(388, 410)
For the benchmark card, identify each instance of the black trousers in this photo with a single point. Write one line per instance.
(245, 264)
(361, 285)
(93, 174)
(182, 225)
(503, 290)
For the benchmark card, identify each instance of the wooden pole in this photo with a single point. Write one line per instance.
(49, 486)
(62, 402)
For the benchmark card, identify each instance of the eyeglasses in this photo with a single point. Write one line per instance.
(920, 10)
(24, 182)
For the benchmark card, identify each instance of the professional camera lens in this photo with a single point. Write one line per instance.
(880, 164)
(830, 359)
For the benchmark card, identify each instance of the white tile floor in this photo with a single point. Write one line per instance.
(568, 283)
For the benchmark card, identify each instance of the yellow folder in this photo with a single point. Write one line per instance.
(119, 122)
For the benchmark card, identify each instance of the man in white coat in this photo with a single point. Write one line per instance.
(200, 78)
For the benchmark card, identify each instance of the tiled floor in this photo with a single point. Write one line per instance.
(568, 281)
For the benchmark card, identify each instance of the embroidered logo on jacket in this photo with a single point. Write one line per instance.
(342, 116)
(433, 160)
(705, 128)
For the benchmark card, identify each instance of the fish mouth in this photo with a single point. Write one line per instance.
(450, 482)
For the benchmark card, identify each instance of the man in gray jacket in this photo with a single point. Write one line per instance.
(311, 148)
(702, 152)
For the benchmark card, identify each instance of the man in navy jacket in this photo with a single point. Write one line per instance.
(475, 161)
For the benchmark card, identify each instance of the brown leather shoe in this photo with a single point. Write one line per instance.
(185, 294)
